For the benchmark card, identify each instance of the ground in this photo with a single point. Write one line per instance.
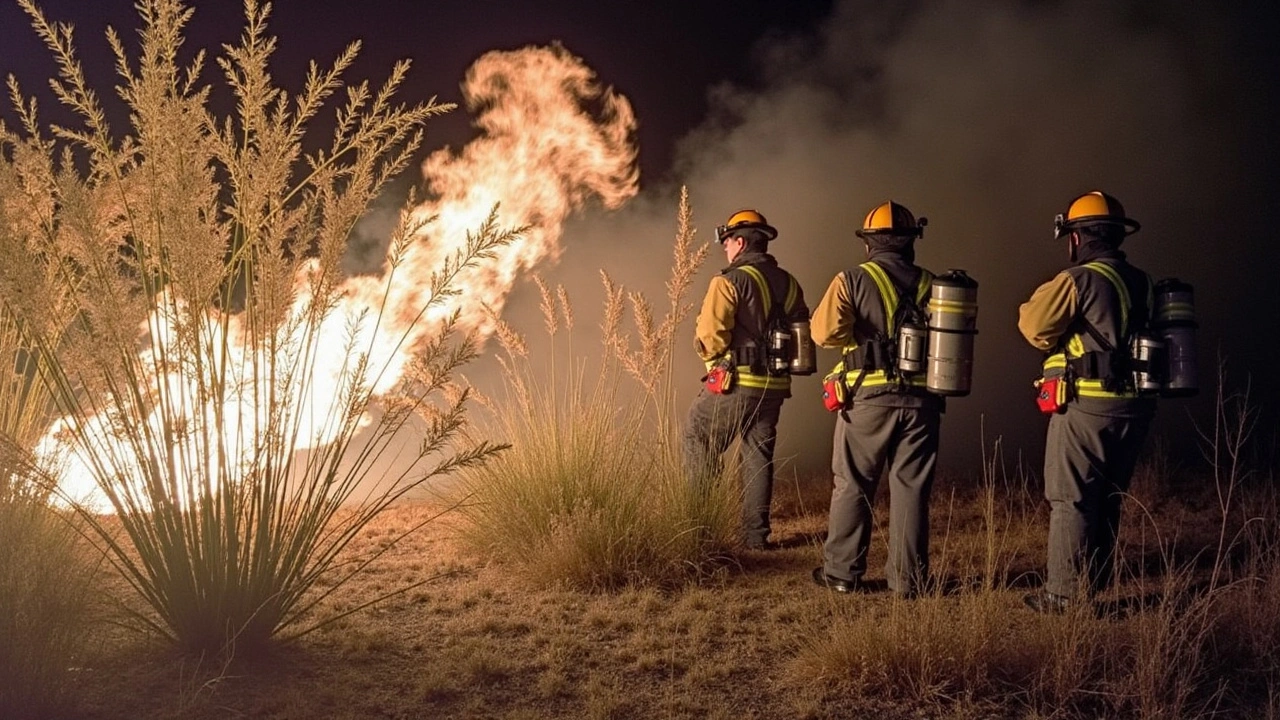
(482, 640)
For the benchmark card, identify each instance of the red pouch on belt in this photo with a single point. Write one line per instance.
(834, 392)
(719, 379)
(1051, 394)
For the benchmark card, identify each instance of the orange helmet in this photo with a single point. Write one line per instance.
(745, 220)
(890, 218)
(1090, 209)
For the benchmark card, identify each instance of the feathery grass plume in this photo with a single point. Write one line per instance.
(591, 494)
(651, 365)
(222, 238)
(45, 569)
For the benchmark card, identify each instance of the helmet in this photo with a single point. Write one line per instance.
(890, 218)
(1090, 209)
(745, 220)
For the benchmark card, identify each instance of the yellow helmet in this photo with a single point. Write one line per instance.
(1090, 209)
(890, 218)
(745, 220)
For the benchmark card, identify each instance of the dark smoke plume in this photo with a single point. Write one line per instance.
(989, 117)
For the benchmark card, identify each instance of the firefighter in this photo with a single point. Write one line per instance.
(891, 419)
(1085, 319)
(744, 387)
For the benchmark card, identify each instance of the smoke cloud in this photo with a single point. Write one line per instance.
(987, 117)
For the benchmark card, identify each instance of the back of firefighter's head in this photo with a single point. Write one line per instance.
(751, 227)
(890, 226)
(1094, 217)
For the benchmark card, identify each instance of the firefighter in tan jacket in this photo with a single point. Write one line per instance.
(892, 421)
(745, 383)
(1084, 320)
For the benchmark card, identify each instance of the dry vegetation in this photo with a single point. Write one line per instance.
(755, 638)
(574, 576)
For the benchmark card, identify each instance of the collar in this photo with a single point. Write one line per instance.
(1094, 250)
(751, 258)
(903, 256)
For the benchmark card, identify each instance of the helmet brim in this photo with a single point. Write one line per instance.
(724, 232)
(867, 234)
(1130, 225)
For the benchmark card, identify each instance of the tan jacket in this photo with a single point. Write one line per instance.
(714, 328)
(1056, 319)
(852, 314)
(1044, 319)
(734, 318)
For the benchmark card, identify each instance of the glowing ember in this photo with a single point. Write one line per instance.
(551, 139)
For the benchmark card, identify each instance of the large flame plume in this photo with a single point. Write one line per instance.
(551, 139)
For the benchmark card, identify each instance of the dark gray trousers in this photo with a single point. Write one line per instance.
(1088, 465)
(906, 440)
(714, 422)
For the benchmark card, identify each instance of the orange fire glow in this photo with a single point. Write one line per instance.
(550, 139)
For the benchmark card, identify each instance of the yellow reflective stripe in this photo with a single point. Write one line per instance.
(1075, 346)
(878, 377)
(762, 382)
(888, 295)
(926, 280)
(762, 285)
(1125, 303)
(1093, 388)
(793, 289)
(1057, 361)
(953, 306)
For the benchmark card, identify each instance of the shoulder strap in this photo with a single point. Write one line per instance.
(1122, 291)
(766, 296)
(890, 294)
(922, 290)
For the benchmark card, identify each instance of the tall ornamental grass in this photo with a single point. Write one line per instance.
(45, 569)
(591, 493)
(198, 256)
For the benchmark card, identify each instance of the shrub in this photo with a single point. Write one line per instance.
(45, 579)
(591, 493)
(222, 239)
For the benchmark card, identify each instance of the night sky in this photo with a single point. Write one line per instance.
(988, 117)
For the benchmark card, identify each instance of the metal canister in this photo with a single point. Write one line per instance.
(1149, 363)
(953, 323)
(912, 341)
(779, 351)
(1174, 319)
(804, 355)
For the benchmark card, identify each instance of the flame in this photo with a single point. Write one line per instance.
(551, 138)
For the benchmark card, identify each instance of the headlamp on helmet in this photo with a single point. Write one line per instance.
(1090, 210)
(745, 220)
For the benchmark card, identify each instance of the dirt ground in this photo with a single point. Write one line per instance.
(481, 641)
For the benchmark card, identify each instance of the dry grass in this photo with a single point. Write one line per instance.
(46, 606)
(591, 493)
(754, 640)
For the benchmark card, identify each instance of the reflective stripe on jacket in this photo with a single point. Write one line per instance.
(855, 313)
(1107, 293)
(735, 318)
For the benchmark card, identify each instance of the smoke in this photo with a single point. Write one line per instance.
(550, 140)
(988, 117)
